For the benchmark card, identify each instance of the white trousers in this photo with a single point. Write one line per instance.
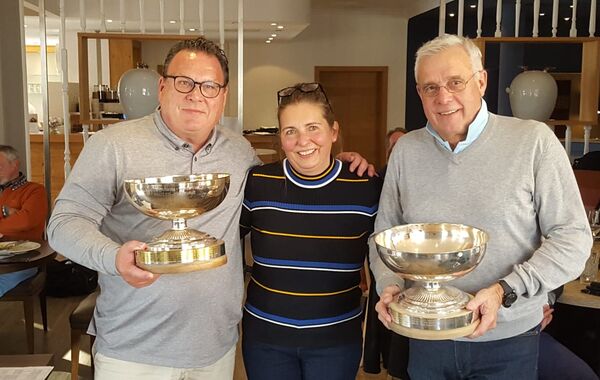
(114, 369)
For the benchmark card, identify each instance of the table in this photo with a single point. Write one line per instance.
(267, 156)
(33, 360)
(32, 259)
(572, 295)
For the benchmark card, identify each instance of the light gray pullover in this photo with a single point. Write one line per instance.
(181, 320)
(515, 182)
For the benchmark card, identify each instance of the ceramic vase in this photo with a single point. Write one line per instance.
(533, 95)
(138, 92)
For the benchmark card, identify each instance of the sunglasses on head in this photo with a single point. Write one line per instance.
(304, 87)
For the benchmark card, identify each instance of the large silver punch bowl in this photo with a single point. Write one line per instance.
(177, 198)
(430, 254)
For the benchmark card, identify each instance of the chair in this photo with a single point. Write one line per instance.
(80, 320)
(588, 182)
(27, 291)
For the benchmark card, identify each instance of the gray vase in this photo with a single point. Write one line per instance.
(533, 95)
(138, 92)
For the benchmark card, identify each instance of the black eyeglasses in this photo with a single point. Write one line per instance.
(304, 87)
(185, 85)
(452, 86)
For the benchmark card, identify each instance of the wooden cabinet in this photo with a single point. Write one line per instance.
(267, 146)
(57, 155)
(123, 55)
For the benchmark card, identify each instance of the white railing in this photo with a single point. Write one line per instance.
(536, 16)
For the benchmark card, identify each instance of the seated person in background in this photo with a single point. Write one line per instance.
(23, 209)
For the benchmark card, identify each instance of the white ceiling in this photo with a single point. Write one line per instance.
(294, 15)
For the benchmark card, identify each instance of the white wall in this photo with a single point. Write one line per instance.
(334, 38)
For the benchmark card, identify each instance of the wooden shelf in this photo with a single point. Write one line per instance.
(589, 82)
(57, 154)
(572, 123)
(82, 47)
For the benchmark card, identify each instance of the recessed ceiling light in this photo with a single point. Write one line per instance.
(192, 29)
(273, 35)
(109, 20)
(172, 21)
(268, 41)
(279, 27)
(473, 6)
(542, 14)
(270, 38)
(451, 14)
(25, 26)
(571, 6)
(567, 18)
(273, 24)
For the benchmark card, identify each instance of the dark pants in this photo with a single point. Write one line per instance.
(558, 362)
(270, 362)
(514, 358)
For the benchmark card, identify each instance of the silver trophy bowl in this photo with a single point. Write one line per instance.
(430, 254)
(177, 198)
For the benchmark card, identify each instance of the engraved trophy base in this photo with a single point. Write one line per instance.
(432, 326)
(181, 251)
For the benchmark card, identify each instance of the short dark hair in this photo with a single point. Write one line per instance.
(397, 129)
(317, 97)
(203, 45)
(9, 152)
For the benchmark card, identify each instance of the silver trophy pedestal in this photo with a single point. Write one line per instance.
(438, 315)
(177, 198)
(431, 254)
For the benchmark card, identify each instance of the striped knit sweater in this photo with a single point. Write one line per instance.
(309, 242)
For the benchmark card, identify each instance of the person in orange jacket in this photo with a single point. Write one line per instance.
(23, 211)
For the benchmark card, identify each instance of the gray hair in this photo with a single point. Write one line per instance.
(10, 153)
(445, 41)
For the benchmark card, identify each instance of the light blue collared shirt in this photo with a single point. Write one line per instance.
(473, 132)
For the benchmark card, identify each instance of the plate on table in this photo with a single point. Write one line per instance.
(13, 247)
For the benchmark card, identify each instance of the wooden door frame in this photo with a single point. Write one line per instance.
(381, 126)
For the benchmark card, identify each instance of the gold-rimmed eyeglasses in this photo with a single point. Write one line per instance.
(185, 85)
(452, 86)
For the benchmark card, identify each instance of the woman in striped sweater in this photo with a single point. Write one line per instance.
(309, 219)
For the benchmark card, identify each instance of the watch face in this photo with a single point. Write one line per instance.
(509, 299)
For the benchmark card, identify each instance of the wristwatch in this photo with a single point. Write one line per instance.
(4, 211)
(509, 297)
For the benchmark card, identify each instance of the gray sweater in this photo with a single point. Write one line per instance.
(181, 320)
(515, 182)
